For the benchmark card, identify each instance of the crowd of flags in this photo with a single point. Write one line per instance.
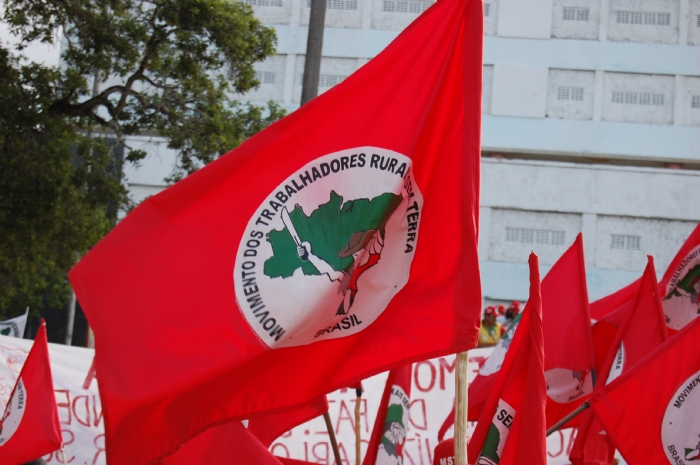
(184, 380)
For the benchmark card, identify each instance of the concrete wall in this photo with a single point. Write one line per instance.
(644, 25)
(576, 19)
(638, 98)
(570, 94)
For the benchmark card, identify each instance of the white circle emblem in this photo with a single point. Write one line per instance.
(564, 385)
(680, 430)
(13, 413)
(680, 303)
(329, 248)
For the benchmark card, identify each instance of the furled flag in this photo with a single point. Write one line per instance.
(642, 330)
(228, 443)
(511, 429)
(14, 326)
(30, 427)
(569, 355)
(340, 242)
(651, 411)
(389, 433)
(680, 286)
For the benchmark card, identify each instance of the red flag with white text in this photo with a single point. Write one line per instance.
(642, 330)
(389, 433)
(340, 242)
(651, 411)
(511, 429)
(30, 427)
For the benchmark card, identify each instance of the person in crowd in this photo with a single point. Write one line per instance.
(512, 312)
(490, 331)
(501, 315)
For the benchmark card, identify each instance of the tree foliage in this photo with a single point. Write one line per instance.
(128, 67)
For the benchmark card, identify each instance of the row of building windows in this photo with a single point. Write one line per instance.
(350, 5)
(575, 14)
(695, 101)
(401, 6)
(570, 93)
(558, 238)
(647, 19)
(326, 80)
(638, 98)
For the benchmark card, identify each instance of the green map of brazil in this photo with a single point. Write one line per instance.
(327, 229)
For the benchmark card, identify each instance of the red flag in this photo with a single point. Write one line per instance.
(569, 357)
(348, 226)
(30, 427)
(228, 443)
(680, 286)
(444, 453)
(511, 429)
(569, 354)
(651, 411)
(642, 330)
(269, 427)
(389, 433)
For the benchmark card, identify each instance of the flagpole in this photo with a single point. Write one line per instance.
(331, 434)
(63, 456)
(461, 382)
(358, 442)
(568, 418)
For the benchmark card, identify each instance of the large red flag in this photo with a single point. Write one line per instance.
(267, 428)
(389, 433)
(30, 427)
(651, 411)
(569, 355)
(511, 429)
(642, 330)
(338, 243)
(680, 286)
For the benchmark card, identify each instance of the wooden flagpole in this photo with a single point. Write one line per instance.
(568, 418)
(461, 408)
(358, 442)
(331, 434)
(63, 456)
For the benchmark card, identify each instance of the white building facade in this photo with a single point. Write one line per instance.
(591, 123)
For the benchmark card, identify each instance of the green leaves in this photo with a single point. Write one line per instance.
(167, 67)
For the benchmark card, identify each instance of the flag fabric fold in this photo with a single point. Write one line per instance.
(339, 242)
(269, 427)
(511, 429)
(30, 427)
(642, 329)
(650, 412)
(389, 433)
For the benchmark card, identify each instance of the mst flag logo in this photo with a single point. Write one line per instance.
(394, 430)
(680, 431)
(328, 249)
(681, 304)
(13, 413)
(497, 435)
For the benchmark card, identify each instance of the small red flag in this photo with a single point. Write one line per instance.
(347, 227)
(267, 428)
(651, 411)
(389, 434)
(511, 429)
(642, 329)
(228, 443)
(30, 427)
(569, 355)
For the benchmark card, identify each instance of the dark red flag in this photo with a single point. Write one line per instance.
(651, 411)
(511, 429)
(642, 330)
(389, 433)
(339, 243)
(30, 427)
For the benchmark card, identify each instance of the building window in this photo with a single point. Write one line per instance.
(401, 6)
(487, 9)
(695, 101)
(265, 77)
(638, 98)
(570, 93)
(698, 22)
(648, 19)
(575, 14)
(263, 2)
(534, 236)
(624, 242)
(337, 4)
(326, 80)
